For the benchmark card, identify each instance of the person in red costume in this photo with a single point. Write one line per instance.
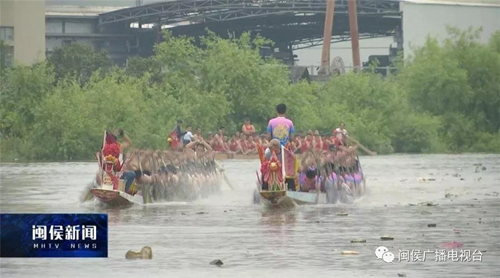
(112, 150)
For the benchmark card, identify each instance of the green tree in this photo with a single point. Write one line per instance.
(6, 55)
(78, 61)
(21, 91)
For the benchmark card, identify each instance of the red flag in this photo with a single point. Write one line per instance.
(110, 138)
(289, 162)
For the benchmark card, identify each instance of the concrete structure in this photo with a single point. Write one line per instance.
(22, 27)
(74, 24)
(429, 18)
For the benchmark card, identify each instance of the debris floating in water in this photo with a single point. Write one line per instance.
(342, 214)
(202, 212)
(429, 204)
(431, 225)
(146, 253)
(449, 196)
(386, 238)
(358, 241)
(425, 179)
(347, 252)
(425, 212)
(401, 275)
(216, 262)
(451, 245)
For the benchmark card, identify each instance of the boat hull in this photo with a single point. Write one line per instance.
(284, 199)
(116, 198)
(275, 199)
(332, 195)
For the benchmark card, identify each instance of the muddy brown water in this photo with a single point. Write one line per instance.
(255, 242)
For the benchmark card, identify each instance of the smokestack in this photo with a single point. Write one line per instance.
(327, 36)
(353, 25)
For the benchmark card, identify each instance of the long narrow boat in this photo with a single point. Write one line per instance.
(186, 188)
(113, 197)
(328, 190)
(286, 198)
(111, 190)
(196, 179)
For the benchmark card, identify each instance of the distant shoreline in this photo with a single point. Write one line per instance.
(223, 157)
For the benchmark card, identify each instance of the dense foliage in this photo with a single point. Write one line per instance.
(445, 99)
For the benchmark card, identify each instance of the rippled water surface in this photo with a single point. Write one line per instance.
(256, 242)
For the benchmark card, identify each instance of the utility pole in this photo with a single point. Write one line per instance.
(353, 25)
(327, 37)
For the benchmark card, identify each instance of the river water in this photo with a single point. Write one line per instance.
(256, 242)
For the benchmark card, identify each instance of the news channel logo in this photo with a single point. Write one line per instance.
(439, 255)
(54, 235)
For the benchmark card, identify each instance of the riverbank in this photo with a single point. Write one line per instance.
(225, 157)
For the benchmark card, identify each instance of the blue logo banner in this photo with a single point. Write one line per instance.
(53, 235)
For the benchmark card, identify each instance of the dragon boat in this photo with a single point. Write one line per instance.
(110, 189)
(154, 179)
(288, 182)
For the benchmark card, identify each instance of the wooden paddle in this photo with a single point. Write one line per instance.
(362, 147)
(86, 194)
(224, 175)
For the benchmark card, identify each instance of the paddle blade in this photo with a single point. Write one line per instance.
(86, 194)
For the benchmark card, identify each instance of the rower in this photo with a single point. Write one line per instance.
(127, 143)
(199, 146)
(317, 142)
(197, 135)
(275, 146)
(341, 134)
(298, 144)
(248, 128)
(280, 127)
(188, 136)
(234, 145)
(178, 131)
(309, 180)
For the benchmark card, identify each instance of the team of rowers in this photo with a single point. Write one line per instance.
(322, 159)
(198, 151)
(175, 175)
(246, 141)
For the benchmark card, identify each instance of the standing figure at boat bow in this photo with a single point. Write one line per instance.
(280, 127)
(271, 169)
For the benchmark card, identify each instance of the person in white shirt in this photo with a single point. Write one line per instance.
(341, 134)
(188, 137)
